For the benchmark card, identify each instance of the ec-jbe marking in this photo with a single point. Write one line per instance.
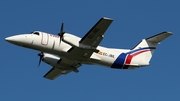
(106, 54)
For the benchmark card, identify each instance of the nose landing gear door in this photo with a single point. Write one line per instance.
(44, 39)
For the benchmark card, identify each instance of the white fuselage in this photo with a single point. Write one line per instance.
(51, 44)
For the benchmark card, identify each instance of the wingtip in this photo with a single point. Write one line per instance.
(107, 18)
(170, 33)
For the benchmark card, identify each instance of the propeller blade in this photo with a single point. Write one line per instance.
(41, 55)
(62, 28)
(61, 33)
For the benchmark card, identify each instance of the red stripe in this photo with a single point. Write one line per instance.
(128, 61)
(137, 53)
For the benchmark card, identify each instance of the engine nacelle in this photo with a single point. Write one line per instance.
(74, 41)
(50, 59)
(71, 39)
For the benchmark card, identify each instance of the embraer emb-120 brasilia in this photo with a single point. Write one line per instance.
(75, 51)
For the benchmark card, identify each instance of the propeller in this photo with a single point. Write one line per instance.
(41, 55)
(61, 33)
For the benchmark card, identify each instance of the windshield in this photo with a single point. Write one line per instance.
(36, 33)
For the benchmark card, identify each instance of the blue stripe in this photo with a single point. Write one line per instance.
(133, 51)
(119, 62)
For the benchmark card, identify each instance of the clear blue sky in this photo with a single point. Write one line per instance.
(22, 80)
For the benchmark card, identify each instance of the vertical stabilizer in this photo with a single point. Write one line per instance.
(142, 52)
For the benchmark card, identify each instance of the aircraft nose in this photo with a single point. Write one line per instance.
(9, 39)
(14, 39)
(18, 39)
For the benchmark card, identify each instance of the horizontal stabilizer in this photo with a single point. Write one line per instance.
(159, 37)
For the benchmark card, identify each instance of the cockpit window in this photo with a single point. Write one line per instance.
(37, 33)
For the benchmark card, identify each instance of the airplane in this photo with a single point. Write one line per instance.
(66, 52)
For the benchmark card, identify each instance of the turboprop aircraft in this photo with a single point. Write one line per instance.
(66, 52)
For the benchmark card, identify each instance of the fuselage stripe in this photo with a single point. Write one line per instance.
(128, 61)
(123, 61)
(139, 52)
(119, 62)
(133, 51)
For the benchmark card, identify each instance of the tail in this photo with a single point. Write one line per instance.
(142, 52)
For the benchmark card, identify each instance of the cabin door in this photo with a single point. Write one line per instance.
(45, 39)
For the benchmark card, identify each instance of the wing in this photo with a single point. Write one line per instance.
(91, 39)
(64, 66)
(53, 73)
(76, 55)
(96, 33)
